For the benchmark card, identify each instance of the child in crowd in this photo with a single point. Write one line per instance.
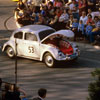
(88, 29)
(81, 29)
(75, 24)
(75, 27)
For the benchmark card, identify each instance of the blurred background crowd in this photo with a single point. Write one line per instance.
(80, 16)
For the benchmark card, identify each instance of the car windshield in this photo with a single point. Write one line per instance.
(45, 33)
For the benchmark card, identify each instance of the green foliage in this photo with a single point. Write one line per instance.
(94, 87)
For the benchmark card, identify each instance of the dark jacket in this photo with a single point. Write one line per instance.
(36, 98)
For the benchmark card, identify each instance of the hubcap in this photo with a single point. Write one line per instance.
(10, 52)
(49, 60)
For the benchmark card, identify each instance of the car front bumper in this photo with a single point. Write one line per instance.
(69, 57)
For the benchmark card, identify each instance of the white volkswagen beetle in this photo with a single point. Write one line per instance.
(42, 43)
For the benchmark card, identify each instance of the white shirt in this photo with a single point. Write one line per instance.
(95, 14)
(35, 2)
(72, 6)
(41, 98)
(63, 17)
(71, 0)
(84, 19)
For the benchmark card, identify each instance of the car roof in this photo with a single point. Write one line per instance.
(34, 28)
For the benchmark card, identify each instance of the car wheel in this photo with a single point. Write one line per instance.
(49, 60)
(74, 60)
(10, 52)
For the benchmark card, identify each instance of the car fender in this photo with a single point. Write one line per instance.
(9, 43)
(52, 51)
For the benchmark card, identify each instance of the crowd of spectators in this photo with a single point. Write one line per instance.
(81, 16)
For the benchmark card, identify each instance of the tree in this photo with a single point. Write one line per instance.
(94, 87)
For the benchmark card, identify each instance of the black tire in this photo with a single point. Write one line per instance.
(10, 52)
(49, 60)
(74, 60)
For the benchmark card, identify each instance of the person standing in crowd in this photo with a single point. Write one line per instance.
(84, 18)
(41, 94)
(92, 4)
(82, 4)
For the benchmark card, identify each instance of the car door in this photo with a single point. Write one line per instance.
(31, 45)
(19, 42)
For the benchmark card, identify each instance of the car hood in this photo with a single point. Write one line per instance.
(62, 33)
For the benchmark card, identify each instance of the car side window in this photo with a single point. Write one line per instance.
(30, 37)
(18, 35)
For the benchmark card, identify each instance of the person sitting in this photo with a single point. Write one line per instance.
(41, 19)
(70, 21)
(34, 18)
(95, 32)
(64, 17)
(84, 17)
(89, 28)
(89, 20)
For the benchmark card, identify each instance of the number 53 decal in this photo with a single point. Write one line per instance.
(31, 49)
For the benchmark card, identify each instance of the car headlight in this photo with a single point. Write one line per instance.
(76, 46)
(60, 54)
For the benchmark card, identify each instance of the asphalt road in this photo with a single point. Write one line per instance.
(66, 82)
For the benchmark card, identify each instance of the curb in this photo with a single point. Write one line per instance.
(10, 24)
(5, 23)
